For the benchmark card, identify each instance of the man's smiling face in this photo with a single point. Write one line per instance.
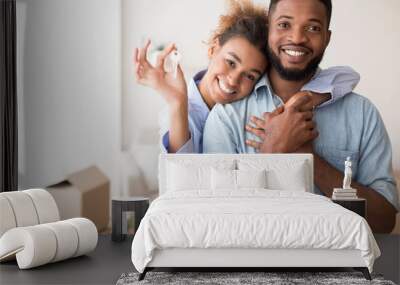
(298, 37)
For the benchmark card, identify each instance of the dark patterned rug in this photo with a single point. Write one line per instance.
(243, 278)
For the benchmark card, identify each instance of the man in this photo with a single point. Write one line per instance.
(351, 127)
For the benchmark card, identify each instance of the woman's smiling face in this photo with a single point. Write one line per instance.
(233, 71)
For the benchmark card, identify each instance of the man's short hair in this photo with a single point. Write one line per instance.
(327, 4)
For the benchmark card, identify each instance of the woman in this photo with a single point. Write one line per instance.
(237, 60)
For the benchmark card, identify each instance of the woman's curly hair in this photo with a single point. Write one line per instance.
(244, 19)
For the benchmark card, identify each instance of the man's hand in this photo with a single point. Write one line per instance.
(286, 129)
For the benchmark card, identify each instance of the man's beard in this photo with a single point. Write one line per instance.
(293, 74)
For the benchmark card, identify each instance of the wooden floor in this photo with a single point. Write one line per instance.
(110, 260)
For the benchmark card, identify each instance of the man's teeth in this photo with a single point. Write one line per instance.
(225, 89)
(294, 52)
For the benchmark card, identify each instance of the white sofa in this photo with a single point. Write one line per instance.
(31, 231)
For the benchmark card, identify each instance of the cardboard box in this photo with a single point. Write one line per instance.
(85, 193)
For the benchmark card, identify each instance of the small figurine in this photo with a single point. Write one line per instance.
(346, 192)
(347, 174)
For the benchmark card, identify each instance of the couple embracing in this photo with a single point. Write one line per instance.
(263, 92)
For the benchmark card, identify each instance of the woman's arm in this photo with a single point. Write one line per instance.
(179, 127)
(172, 87)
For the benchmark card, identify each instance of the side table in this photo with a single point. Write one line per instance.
(120, 206)
(358, 206)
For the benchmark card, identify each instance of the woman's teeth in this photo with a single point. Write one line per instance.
(224, 88)
(294, 52)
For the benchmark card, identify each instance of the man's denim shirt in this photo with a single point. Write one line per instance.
(350, 127)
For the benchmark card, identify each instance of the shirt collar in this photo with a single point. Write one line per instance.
(264, 82)
(199, 76)
(263, 88)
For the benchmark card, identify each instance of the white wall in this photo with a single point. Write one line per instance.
(187, 23)
(70, 81)
(365, 36)
(69, 88)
